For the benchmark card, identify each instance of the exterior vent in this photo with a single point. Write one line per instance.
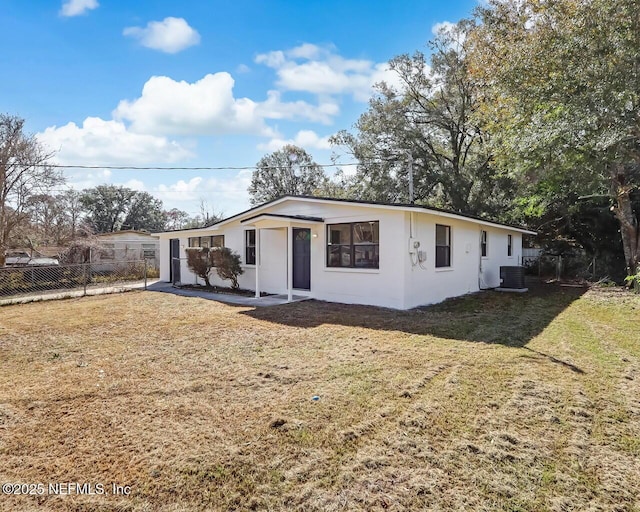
(512, 277)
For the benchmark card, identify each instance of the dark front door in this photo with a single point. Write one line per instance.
(174, 260)
(302, 258)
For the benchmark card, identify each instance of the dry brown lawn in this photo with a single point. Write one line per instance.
(489, 402)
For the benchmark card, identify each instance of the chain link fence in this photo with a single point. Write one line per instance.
(34, 282)
(570, 266)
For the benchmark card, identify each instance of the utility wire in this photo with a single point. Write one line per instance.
(163, 168)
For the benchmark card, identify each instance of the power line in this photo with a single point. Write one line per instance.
(165, 168)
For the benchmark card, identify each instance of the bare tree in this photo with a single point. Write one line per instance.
(24, 172)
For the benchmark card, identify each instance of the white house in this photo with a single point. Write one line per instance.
(127, 245)
(391, 255)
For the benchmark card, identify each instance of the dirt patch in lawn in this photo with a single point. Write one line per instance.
(201, 406)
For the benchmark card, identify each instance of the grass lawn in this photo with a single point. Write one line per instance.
(488, 402)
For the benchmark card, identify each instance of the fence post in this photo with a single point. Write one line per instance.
(559, 268)
(145, 274)
(84, 275)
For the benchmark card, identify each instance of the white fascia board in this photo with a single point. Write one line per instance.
(416, 210)
(180, 232)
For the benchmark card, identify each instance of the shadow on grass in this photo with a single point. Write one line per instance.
(509, 319)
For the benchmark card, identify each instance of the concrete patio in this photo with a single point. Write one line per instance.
(270, 300)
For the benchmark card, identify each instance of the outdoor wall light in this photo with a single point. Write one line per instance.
(315, 235)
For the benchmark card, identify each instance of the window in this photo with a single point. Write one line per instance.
(443, 246)
(483, 242)
(207, 241)
(148, 251)
(509, 245)
(353, 245)
(108, 252)
(250, 247)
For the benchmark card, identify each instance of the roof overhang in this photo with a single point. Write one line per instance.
(247, 214)
(274, 220)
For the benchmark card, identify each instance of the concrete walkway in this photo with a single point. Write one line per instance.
(228, 298)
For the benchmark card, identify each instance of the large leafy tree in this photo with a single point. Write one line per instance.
(112, 208)
(427, 123)
(288, 171)
(24, 173)
(561, 98)
(144, 212)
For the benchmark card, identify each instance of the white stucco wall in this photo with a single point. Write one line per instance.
(426, 284)
(497, 255)
(399, 282)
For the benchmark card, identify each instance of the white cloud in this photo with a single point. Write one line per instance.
(222, 192)
(181, 190)
(171, 35)
(204, 107)
(275, 108)
(208, 107)
(448, 28)
(77, 7)
(243, 68)
(134, 184)
(306, 51)
(442, 27)
(319, 70)
(100, 142)
(80, 179)
(306, 139)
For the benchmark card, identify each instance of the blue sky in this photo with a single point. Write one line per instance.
(207, 83)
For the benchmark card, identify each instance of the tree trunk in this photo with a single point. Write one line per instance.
(629, 229)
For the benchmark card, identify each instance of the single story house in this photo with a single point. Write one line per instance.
(391, 255)
(127, 245)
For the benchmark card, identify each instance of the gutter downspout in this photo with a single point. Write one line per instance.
(480, 278)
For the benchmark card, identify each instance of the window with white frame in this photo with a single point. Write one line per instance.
(443, 246)
(509, 245)
(250, 247)
(483, 243)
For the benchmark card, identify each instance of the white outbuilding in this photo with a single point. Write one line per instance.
(392, 255)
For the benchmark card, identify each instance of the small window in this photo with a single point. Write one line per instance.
(509, 245)
(443, 246)
(108, 252)
(207, 241)
(250, 247)
(483, 243)
(353, 245)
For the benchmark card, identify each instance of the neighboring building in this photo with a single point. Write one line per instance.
(391, 255)
(126, 246)
(25, 258)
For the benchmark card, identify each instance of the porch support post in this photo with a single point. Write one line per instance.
(257, 263)
(290, 263)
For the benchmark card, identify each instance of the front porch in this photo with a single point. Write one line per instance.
(297, 251)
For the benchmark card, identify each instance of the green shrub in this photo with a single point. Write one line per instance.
(200, 262)
(633, 281)
(227, 264)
